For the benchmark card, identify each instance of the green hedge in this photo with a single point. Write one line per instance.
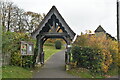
(88, 58)
(58, 44)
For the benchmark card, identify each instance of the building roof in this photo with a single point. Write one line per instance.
(100, 29)
(53, 11)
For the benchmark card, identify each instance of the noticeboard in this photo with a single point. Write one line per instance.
(26, 48)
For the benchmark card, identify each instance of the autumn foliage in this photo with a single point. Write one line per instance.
(107, 47)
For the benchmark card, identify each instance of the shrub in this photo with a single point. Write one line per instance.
(88, 58)
(16, 59)
(27, 61)
(75, 53)
(108, 47)
(11, 46)
(58, 44)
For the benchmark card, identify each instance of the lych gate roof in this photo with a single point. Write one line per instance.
(100, 29)
(43, 28)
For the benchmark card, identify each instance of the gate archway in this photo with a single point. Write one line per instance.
(52, 26)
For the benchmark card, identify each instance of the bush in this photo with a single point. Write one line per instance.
(88, 58)
(108, 47)
(16, 59)
(27, 61)
(11, 46)
(58, 44)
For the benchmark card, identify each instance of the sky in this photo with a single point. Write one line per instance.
(80, 15)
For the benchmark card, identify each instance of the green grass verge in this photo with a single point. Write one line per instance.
(80, 72)
(49, 51)
(84, 73)
(15, 72)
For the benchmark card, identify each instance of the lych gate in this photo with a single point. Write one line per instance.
(52, 26)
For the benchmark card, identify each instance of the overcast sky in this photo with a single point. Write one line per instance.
(80, 15)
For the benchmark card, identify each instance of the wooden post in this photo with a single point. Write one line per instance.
(68, 66)
(36, 51)
(41, 55)
(54, 24)
(68, 51)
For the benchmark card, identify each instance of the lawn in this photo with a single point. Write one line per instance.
(80, 72)
(49, 51)
(84, 73)
(16, 72)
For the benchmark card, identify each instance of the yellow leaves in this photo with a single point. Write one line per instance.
(107, 60)
(107, 46)
(105, 68)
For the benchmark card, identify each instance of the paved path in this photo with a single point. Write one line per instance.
(54, 68)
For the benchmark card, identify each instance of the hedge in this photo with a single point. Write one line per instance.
(58, 44)
(87, 57)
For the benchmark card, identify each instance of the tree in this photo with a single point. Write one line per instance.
(17, 20)
(32, 20)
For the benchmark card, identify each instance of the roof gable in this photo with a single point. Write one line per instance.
(53, 11)
(100, 29)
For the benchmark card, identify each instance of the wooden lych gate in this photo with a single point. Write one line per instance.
(52, 26)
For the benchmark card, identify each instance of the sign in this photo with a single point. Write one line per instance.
(26, 48)
(30, 49)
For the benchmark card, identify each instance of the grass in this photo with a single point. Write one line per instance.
(80, 72)
(84, 73)
(113, 72)
(15, 72)
(49, 51)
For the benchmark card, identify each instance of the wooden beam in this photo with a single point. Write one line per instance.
(58, 30)
(51, 27)
(46, 34)
(54, 24)
(44, 41)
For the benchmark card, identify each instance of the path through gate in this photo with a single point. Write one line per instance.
(52, 26)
